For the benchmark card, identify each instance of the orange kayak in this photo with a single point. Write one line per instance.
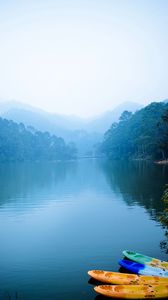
(123, 278)
(133, 291)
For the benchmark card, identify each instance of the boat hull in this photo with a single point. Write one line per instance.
(133, 291)
(123, 278)
(146, 260)
(142, 269)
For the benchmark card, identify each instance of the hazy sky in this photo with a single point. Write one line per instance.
(83, 57)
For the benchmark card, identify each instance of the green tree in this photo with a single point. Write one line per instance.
(142, 135)
(18, 143)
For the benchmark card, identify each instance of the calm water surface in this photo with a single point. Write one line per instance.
(59, 220)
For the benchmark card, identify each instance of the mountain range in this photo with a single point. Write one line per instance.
(85, 133)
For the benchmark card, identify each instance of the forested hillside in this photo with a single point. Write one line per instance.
(85, 133)
(142, 135)
(20, 143)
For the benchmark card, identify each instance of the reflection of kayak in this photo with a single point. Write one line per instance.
(146, 260)
(142, 269)
(122, 278)
(133, 291)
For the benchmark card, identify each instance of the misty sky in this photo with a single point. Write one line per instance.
(83, 57)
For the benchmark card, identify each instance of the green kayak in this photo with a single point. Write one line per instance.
(146, 260)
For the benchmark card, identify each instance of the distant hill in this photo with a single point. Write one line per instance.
(59, 124)
(104, 121)
(85, 133)
(40, 119)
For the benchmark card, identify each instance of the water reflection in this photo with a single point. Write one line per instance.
(58, 220)
(32, 181)
(25, 185)
(139, 183)
(99, 297)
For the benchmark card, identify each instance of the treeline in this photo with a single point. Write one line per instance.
(142, 135)
(20, 143)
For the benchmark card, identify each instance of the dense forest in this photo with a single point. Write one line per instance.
(142, 135)
(20, 143)
(139, 135)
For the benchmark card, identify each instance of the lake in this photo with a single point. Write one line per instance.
(59, 220)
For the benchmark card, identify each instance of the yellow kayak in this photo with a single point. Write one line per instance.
(123, 278)
(133, 291)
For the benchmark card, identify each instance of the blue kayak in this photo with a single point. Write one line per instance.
(142, 269)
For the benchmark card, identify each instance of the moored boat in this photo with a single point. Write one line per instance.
(123, 278)
(146, 260)
(142, 269)
(133, 291)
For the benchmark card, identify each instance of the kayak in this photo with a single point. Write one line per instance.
(146, 260)
(133, 291)
(142, 269)
(123, 278)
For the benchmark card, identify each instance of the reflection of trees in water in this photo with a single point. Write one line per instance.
(34, 183)
(138, 182)
(26, 179)
(164, 220)
(141, 183)
(164, 243)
